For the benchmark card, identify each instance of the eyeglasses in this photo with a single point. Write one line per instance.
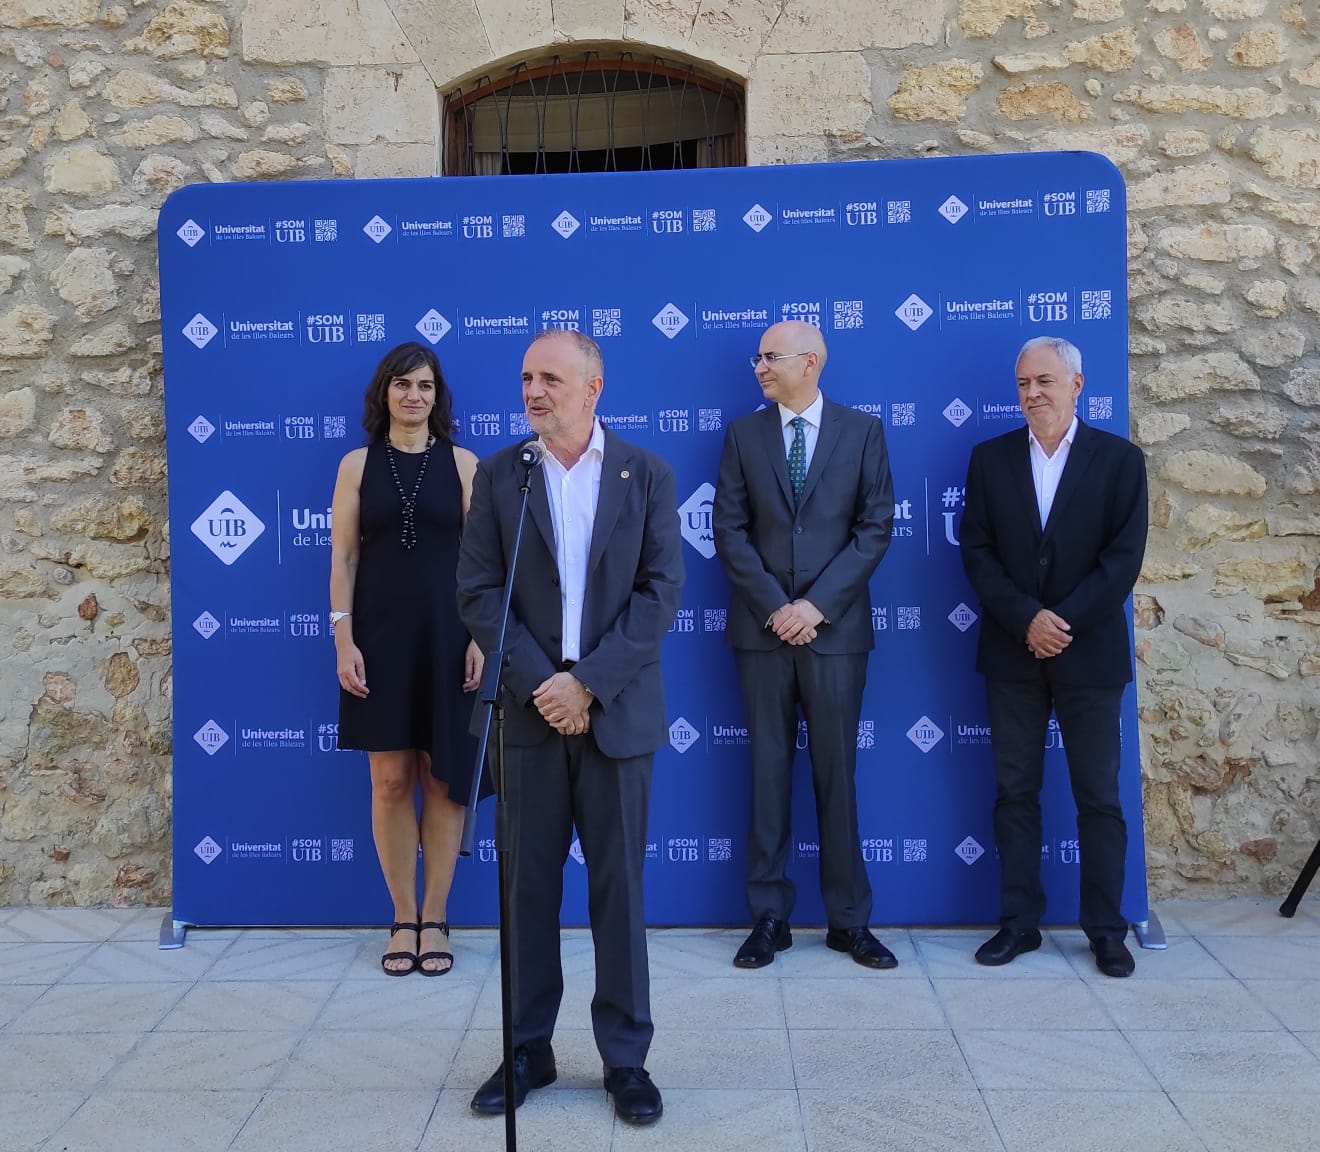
(773, 357)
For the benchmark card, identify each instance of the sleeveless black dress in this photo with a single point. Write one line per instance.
(405, 620)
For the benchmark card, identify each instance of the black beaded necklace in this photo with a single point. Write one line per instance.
(409, 536)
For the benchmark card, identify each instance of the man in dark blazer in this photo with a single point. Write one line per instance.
(803, 513)
(597, 587)
(1052, 538)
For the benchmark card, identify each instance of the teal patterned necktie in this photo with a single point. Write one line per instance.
(797, 457)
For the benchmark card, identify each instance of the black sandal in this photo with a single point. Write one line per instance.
(416, 960)
(443, 926)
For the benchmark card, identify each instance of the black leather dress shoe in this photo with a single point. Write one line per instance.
(1007, 944)
(1112, 956)
(862, 946)
(636, 1099)
(768, 937)
(533, 1067)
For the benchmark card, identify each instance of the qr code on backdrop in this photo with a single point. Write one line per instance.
(848, 314)
(606, 322)
(370, 327)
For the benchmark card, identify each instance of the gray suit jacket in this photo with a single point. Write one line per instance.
(634, 580)
(823, 549)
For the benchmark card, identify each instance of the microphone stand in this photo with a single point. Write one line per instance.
(1289, 906)
(505, 814)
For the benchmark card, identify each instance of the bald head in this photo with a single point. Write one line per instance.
(792, 356)
(795, 336)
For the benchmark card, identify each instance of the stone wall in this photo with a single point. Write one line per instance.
(1209, 107)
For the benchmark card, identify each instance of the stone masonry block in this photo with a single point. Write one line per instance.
(392, 105)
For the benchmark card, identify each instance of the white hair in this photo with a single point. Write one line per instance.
(1066, 351)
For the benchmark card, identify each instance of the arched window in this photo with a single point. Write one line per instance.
(594, 112)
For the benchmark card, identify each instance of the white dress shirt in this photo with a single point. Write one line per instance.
(811, 414)
(1047, 470)
(573, 494)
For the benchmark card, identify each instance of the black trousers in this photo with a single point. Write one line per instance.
(1088, 719)
(564, 782)
(829, 689)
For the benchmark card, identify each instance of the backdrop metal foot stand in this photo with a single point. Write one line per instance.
(1150, 932)
(172, 931)
(1309, 869)
(506, 815)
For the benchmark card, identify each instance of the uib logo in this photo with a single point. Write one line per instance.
(914, 312)
(433, 326)
(227, 527)
(757, 218)
(957, 413)
(969, 851)
(377, 229)
(670, 320)
(925, 734)
(695, 520)
(207, 849)
(199, 330)
(682, 735)
(962, 617)
(211, 737)
(565, 224)
(953, 209)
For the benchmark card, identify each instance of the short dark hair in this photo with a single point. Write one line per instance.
(398, 362)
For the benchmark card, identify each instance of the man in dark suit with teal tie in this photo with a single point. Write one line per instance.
(803, 514)
(1053, 535)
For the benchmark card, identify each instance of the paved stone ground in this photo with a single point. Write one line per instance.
(277, 1041)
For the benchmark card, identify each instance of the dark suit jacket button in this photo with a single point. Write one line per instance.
(1043, 562)
(798, 529)
(555, 581)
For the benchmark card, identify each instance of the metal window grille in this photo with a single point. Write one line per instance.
(594, 113)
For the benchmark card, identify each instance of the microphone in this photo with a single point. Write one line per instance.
(531, 453)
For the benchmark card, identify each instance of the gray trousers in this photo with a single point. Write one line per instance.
(556, 785)
(829, 690)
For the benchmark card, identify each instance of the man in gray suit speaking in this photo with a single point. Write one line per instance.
(597, 588)
(802, 517)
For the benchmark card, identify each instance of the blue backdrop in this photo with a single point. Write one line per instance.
(925, 277)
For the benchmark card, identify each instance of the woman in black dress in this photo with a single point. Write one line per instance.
(404, 659)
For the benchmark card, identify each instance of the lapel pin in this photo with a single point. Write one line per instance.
(624, 474)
